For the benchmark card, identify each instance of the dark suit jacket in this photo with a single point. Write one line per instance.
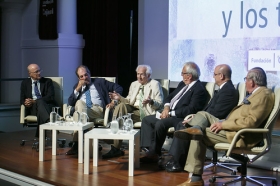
(103, 88)
(192, 101)
(223, 101)
(46, 88)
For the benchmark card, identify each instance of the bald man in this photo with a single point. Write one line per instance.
(37, 95)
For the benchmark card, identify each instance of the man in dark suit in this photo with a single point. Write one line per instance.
(92, 94)
(223, 101)
(37, 95)
(188, 98)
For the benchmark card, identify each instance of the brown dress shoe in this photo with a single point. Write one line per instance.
(189, 134)
(189, 183)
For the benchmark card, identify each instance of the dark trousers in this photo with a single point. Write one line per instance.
(154, 131)
(42, 110)
(179, 148)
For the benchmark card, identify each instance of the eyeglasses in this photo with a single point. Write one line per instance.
(216, 74)
(184, 73)
(37, 71)
(245, 79)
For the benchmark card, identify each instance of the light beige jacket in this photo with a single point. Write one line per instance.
(251, 115)
(152, 88)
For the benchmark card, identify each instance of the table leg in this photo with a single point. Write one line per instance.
(86, 159)
(131, 158)
(41, 145)
(95, 152)
(54, 133)
(80, 150)
(137, 150)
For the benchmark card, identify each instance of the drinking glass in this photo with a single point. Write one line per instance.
(84, 116)
(114, 125)
(57, 114)
(128, 123)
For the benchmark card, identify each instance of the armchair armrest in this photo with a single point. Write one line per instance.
(22, 114)
(235, 139)
(106, 117)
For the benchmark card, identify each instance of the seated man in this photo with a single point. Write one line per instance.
(252, 113)
(144, 98)
(92, 94)
(37, 95)
(220, 105)
(188, 98)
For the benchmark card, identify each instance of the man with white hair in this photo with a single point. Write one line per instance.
(145, 97)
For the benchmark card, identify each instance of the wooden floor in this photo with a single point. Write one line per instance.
(65, 170)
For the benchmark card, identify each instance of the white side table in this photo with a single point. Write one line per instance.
(62, 126)
(96, 134)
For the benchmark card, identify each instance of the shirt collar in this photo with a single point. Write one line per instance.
(222, 85)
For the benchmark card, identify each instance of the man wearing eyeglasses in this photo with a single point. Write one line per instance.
(37, 95)
(189, 97)
(92, 94)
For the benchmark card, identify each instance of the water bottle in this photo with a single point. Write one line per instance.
(53, 116)
(114, 125)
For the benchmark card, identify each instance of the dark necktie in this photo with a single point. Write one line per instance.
(211, 101)
(36, 90)
(246, 101)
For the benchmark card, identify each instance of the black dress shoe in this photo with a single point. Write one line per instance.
(72, 152)
(161, 164)
(114, 152)
(149, 159)
(173, 166)
(99, 147)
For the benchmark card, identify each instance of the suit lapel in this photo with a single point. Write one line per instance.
(147, 90)
(42, 86)
(29, 90)
(134, 94)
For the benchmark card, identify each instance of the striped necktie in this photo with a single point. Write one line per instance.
(141, 98)
(36, 90)
(178, 96)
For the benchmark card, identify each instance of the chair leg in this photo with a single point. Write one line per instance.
(215, 163)
(243, 178)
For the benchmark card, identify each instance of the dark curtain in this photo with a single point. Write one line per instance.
(105, 26)
(0, 49)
